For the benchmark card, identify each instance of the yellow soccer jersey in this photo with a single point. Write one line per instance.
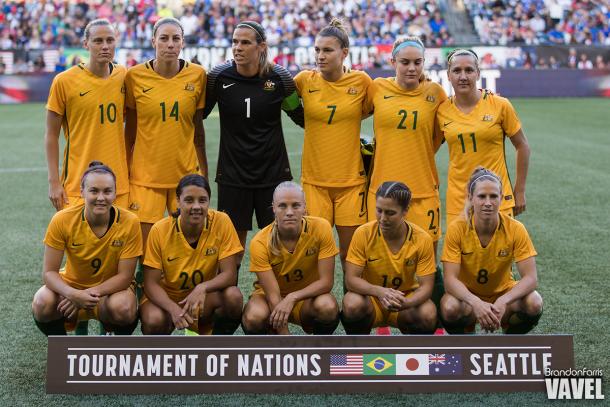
(487, 271)
(384, 268)
(91, 260)
(92, 110)
(294, 271)
(184, 267)
(404, 129)
(477, 139)
(164, 151)
(333, 113)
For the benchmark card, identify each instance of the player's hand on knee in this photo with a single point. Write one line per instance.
(390, 299)
(280, 314)
(193, 303)
(67, 308)
(180, 319)
(499, 308)
(84, 299)
(485, 316)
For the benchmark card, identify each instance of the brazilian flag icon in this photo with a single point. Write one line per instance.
(379, 365)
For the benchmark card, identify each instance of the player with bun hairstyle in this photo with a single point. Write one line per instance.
(390, 270)
(102, 243)
(294, 259)
(335, 102)
(190, 273)
(251, 93)
(479, 250)
(87, 101)
(164, 130)
(475, 123)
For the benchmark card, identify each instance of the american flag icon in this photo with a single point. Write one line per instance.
(345, 365)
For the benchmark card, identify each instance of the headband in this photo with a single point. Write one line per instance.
(256, 27)
(406, 44)
(479, 177)
(463, 51)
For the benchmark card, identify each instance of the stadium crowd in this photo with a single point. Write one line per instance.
(534, 22)
(34, 25)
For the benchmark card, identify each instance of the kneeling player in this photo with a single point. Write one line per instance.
(102, 243)
(390, 270)
(294, 259)
(478, 253)
(189, 267)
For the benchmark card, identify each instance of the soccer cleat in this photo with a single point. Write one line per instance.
(188, 332)
(440, 331)
(383, 330)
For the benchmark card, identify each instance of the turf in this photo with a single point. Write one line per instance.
(567, 217)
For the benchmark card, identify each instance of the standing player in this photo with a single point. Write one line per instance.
(335, 102)
(475, 123)
(87, 100)
(190, 273)
(479, 250)
(390, 270)
(251, 92)
(164, 130)
(294, 259)
(102, 243)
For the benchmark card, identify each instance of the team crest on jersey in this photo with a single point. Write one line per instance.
(352, 91)
(488, 118)
(430, 99)
(211, 251)
(311, 251)
(190, 87)
(134, 206)
(410, 262)
(503, 253)
(269, 86)
(117, 243)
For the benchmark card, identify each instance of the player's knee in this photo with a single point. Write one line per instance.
(44, 305)
(123, 311)
(155, 323)
(254, 320)
(325, 307)
(533, 304)
(451, 308)
(427, 317)
(354, 306)
(233, 302)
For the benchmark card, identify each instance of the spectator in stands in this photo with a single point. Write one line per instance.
(572, 58)
(599, 62)
(584, 62)
(542, 64)
(553, 63)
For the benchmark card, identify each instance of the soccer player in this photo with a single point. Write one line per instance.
(190, 273)
(102, 243)
(479, 250)
(390, 270)
(164, 130)
(87, 101)
(335, 101)
(251, 92)
(405, 121)
(294, 259)
(475, 123)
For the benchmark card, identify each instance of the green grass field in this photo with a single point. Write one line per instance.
(567, 217)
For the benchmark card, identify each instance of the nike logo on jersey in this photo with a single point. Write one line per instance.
(313, 90)
(227, 86)
(389, 96)
(276, 264)
(370, 260)
(84, 93)
(466, 254)
(77, 244)
(447, 123)
(172, 258)
(146, 90)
